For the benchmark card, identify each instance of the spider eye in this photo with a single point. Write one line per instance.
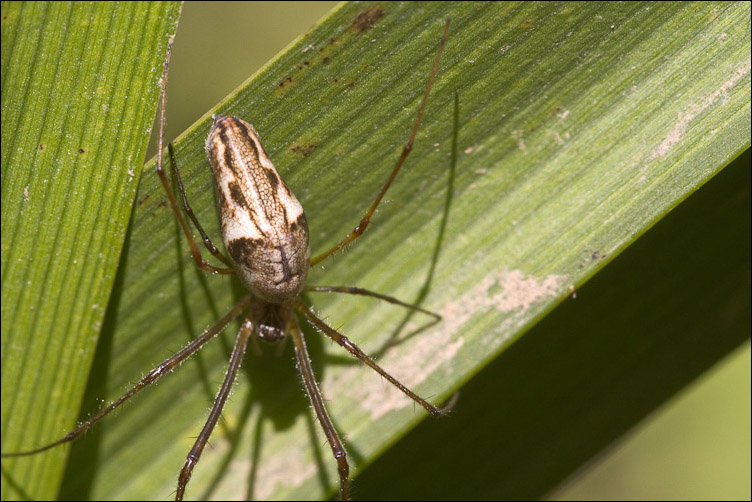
(269, 333)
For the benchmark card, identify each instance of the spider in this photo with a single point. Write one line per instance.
(265, 233)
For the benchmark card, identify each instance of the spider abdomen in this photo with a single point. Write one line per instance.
(263, 225)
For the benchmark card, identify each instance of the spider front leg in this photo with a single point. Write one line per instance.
(200, 262)
(366, 219)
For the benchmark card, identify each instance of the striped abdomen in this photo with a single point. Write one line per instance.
(264, 227)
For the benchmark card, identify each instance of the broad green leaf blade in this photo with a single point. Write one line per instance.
(79, 92)
(580, 127)
(640, 331)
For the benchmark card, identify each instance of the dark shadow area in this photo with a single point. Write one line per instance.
(590, 371)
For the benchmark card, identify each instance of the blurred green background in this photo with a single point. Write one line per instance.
(697, 446)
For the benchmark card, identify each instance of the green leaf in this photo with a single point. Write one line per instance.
(639, 332)
(580, 127)
(79, 92)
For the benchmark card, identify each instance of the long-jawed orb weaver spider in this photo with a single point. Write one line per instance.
(265, 233)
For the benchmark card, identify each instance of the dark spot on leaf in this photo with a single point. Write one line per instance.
(303, 150)
(592, 256)
(41, 146)
(325, 60)
(286, 81)
(366, 20)
(81, 150)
